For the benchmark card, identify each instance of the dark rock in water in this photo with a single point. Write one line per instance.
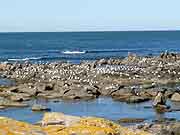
(38, 107)
(159, 100)
(162, 108)
(137, 99)
(131, 120)
(131, 99)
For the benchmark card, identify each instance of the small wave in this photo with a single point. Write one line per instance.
(25, 59)
(74, 52)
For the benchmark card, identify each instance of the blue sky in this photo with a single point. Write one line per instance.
(89, 15)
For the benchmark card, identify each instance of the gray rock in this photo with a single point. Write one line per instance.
(38, 107)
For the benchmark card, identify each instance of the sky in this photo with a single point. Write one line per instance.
(88, 15)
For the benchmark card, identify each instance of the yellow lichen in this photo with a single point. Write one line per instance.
(86, 126)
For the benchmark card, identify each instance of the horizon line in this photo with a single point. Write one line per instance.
(91, 31)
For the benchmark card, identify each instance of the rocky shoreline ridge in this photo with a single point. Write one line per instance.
(133, 79)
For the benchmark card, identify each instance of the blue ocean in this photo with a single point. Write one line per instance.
(77, 46)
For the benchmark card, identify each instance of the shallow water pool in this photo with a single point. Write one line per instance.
(102, 107)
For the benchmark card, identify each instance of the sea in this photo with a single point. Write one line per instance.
(84, 46)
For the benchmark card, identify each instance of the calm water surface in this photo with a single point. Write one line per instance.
(102, 107)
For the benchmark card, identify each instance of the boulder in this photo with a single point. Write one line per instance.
(175, 97)
(38, 107)
(159, 99)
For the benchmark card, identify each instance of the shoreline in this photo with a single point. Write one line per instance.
(133, 79)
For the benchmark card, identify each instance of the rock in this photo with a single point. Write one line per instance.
(2, 107)
(148, 86)
(164, 120)
(13, 127)
(20, 97)
(170, 129)
(7, 103)
(102, 62)
(131, 120)
(162, 108)
(159, 99)
(84, 126)
(137, 99)
(38, 107)
(131, 99)
(81, 92)
(175, 97)
(59, 118)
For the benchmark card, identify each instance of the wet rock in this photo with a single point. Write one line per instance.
(38, 107)
(131, 120)
(162, 108)
(20, 97)
(175, 97)
(137, 99)
(124, 92)
(159, 99)
(7, 103)
(2, 107)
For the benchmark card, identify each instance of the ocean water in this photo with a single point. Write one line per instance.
(77, 46)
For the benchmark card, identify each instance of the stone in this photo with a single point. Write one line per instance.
(54, 118)
(131, 120)
(159, 99)
(137, 99)
(38, 107)
(175, 97)
(131, 99)
(7, 103)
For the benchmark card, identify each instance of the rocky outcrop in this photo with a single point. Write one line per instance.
(69, 125)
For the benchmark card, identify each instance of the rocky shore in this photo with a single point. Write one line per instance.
(60, 124)
(133, 79)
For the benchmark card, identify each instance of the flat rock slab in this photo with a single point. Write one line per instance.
(85, 126)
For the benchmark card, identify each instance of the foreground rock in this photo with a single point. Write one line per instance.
(78, 126)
